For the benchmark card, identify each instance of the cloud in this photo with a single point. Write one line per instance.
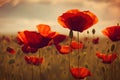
(110, 3)
(17, 2)
(11, 2)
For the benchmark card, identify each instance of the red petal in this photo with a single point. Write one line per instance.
(52, 34)
(113, 33)
(106, 58)
(11, 50)
(100, 55)
(27, 59)
(76, 45)
(109, 58)
(59, 38)
(33, 60)
(95, 41)
(22, 37)
(64, 49)
(94, 17)
(44, 29)
(80, 73)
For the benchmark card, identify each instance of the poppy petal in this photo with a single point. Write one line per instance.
(43, 29)
(64, 49)
(33, 60)
(80, 73)
(76, 45)
(11, 50)
(94, 17)
(106, 58)
(113, 33)
(22, 37)
(59, 38)
(95, 41)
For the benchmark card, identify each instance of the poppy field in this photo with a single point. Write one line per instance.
(55, 66)
(49, 55)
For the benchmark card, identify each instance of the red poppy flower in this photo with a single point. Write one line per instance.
(113, 33)
(45, 31)
(76, 45)
(77, 20)
(64, 49)
(33, 40)
(106, 58)
(11, 50)
(80, 73)
(33, 60)
(95, 41)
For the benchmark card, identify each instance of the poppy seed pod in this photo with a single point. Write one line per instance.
(71, 34)
(93, 31)
(112, 47)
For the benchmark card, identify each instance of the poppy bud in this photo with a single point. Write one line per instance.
(117, 24)
(87, 32)
(112, 47)
(103, 69)
(78, 57)
(71, 34)
(93, 31)
(108, 51)
(11, 61)
(86, 65)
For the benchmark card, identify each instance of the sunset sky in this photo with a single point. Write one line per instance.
(19, 15)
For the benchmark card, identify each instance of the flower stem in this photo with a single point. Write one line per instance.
(78, 54)
(69, 57)
(69, 54)
(7, 73)
(78, 49)
(32, 72)
(23, 65)
(39, 66)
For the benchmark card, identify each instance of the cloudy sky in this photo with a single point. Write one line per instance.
(18, 15)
